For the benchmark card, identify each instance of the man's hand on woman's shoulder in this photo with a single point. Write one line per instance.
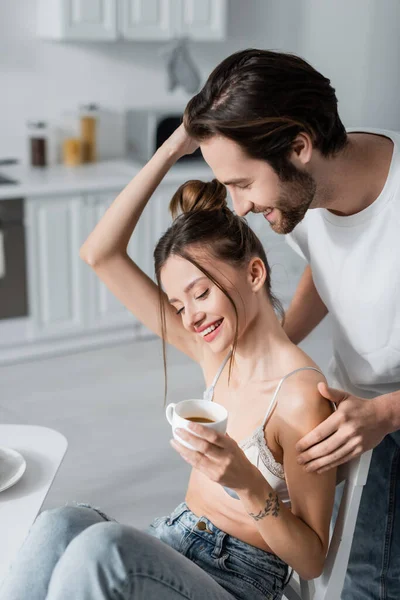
(354, 428)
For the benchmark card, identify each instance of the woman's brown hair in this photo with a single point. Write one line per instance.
(204, 223)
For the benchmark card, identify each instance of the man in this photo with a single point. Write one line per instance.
(268, 126)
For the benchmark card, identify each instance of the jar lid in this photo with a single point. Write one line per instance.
(89, 107)
(37, 124)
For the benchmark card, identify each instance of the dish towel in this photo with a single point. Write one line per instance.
(181, 69)
(2, 256)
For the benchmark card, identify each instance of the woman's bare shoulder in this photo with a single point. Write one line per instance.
(300, 403)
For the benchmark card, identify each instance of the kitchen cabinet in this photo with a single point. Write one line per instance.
(136, 20)
(168, 19)
(56, 277)
(102, 309)
(69, 308)
(148, 20)
(84, 20)
(66, 298)
(106, 311)
(205, 20)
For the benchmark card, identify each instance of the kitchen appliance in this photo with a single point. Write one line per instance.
(147, 129)
(13, 287)
(6, 180)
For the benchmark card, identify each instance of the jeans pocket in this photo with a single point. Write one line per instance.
(262, 579)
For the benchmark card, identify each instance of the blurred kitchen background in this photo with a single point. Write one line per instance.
(88, 90)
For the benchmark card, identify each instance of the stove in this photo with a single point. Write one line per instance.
(6, 180)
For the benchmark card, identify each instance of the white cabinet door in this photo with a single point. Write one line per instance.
(55, 271)
(84, 20)
(168, 19)
(103, 310)
(203, 19)
(148, 19)
(154, 222)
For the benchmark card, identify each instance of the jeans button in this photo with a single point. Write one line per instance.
(203, 526)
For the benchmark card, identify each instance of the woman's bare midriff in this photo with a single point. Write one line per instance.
(205, 498)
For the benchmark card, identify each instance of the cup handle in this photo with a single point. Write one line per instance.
(169, 412)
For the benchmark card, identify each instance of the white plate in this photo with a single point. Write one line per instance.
(12, 467)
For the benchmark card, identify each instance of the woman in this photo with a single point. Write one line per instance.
(216, 307)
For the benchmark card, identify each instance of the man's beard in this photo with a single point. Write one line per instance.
(297, 193)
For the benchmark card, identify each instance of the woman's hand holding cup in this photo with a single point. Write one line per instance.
(207, 446)
(209, 414)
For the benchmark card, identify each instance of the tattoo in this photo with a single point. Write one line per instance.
(271, 507)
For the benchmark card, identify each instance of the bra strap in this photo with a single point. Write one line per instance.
(273, 401)
(209, 392)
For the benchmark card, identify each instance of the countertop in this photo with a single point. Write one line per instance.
(100, 176)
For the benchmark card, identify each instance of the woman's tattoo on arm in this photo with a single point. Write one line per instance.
(271, 507)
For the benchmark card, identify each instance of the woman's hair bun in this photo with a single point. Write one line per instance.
(196, 195)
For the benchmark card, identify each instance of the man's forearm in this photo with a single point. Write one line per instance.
(388, 406)
(306, 309)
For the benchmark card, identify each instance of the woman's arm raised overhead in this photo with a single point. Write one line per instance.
(105, 250)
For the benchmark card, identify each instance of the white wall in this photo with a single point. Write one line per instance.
(353, 42)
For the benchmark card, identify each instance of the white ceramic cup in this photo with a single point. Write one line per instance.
(176, 414)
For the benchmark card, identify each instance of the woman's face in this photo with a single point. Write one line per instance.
(204, 309)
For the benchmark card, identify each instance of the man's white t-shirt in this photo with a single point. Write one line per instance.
(355, 264)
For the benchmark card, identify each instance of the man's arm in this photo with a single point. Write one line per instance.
(389, 410)
(306, 309)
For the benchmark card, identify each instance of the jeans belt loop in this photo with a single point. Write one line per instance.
(219, 544)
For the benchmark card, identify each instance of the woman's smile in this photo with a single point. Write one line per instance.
(210, 332)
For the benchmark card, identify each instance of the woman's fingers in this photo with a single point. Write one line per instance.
(208, 434)
(200, 444)
(198, 460)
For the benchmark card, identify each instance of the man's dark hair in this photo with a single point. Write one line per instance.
(262, 100)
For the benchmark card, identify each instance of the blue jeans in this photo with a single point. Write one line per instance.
(77, 552)
(374, 565)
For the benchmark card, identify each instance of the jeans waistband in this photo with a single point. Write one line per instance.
(204, 528)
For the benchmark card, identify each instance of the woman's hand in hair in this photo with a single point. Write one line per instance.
(218, 457)
(180, 143)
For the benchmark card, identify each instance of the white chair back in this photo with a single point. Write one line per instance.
(330, 583)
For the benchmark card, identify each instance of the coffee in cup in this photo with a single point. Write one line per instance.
(199, 420)
(209, 414)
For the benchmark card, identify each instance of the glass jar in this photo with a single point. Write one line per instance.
(72, 151)
(38, 140)
(88, 123)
